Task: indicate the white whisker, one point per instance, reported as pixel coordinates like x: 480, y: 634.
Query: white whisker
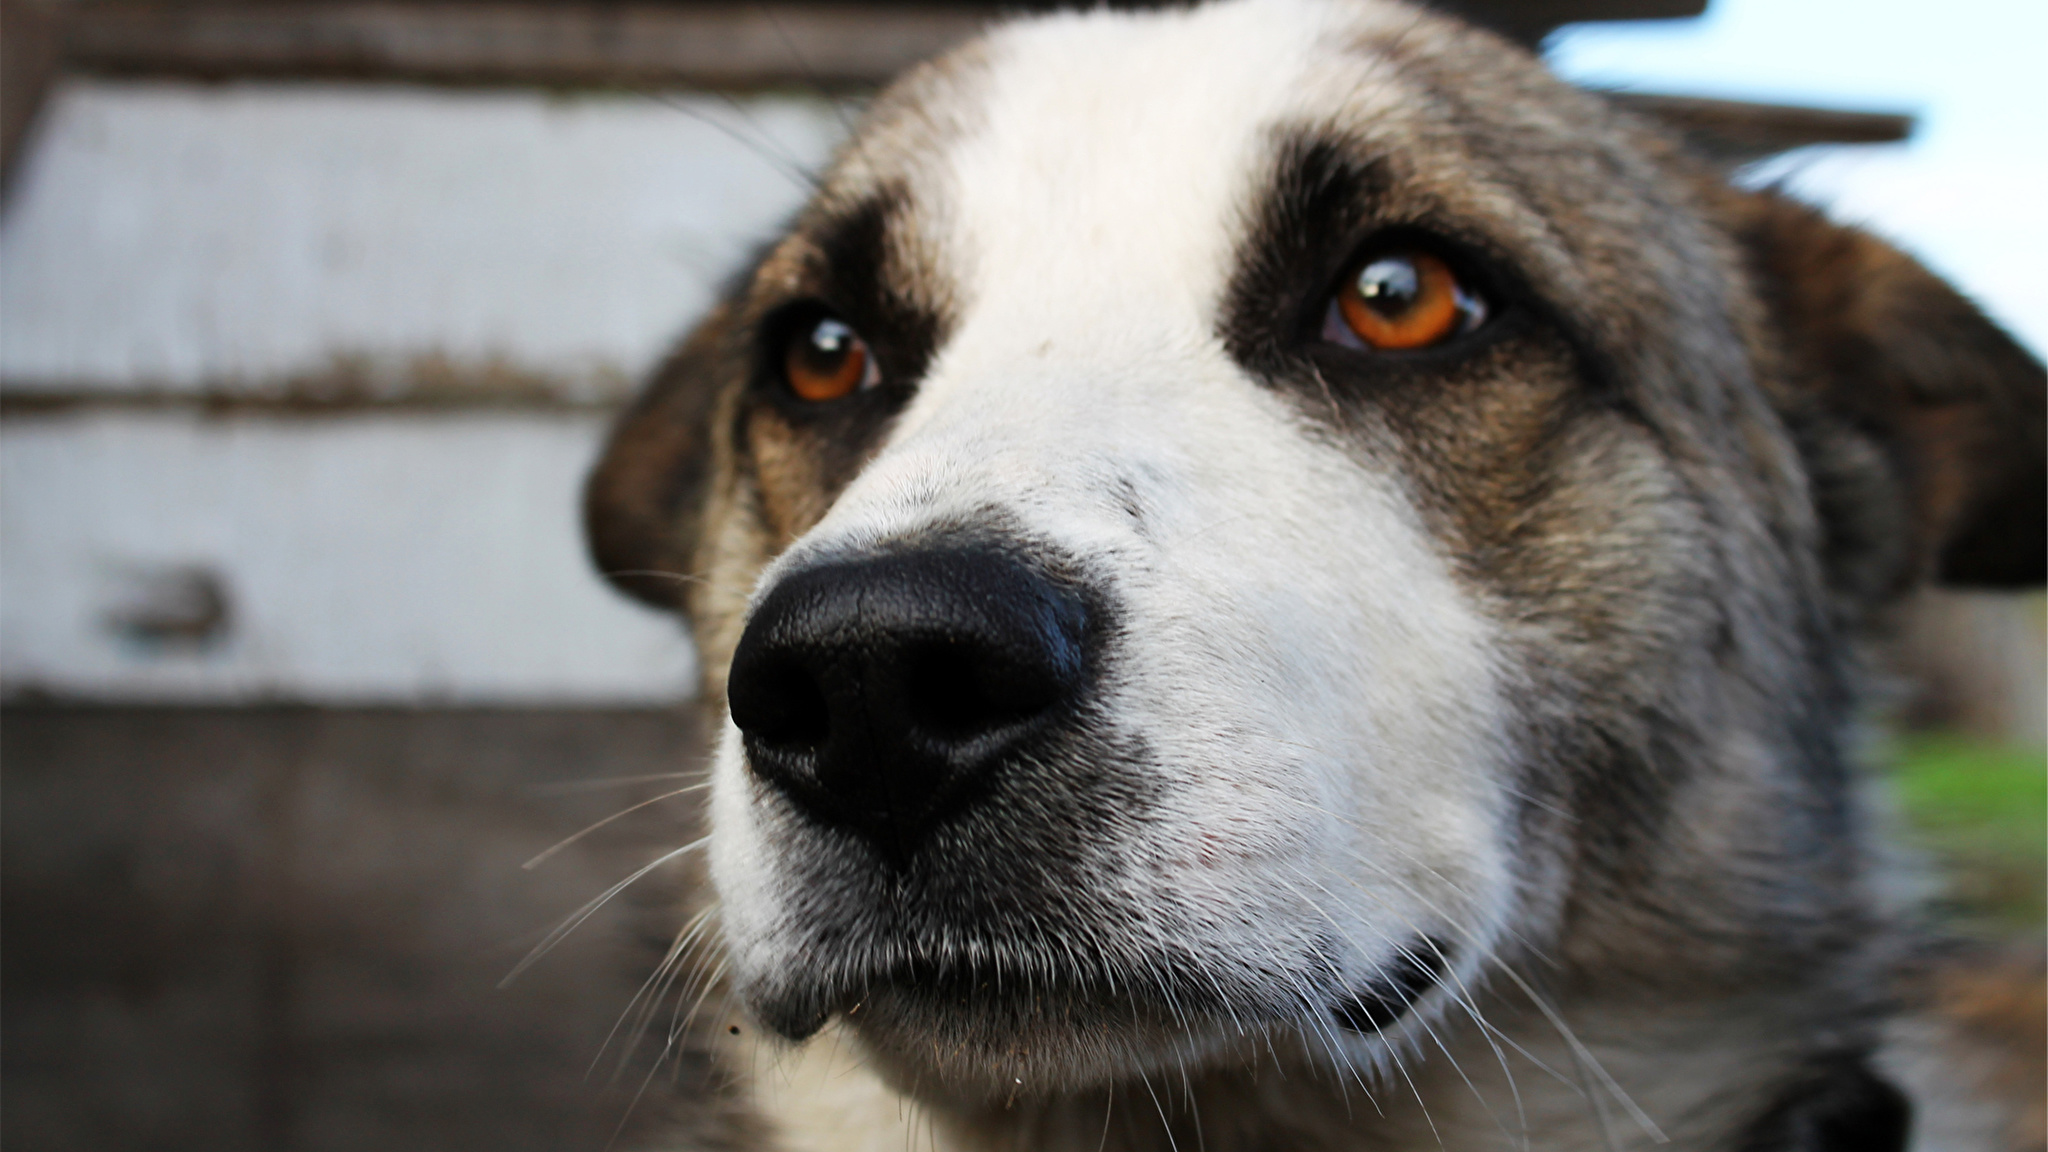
x: 1592, y: 1063
x: 623, y: 812
x: 576, y: 918
x: 571, y: 787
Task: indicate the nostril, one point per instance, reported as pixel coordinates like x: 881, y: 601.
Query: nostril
x: 959, y: 691
x: 779, y: 702
x: 949, y: 696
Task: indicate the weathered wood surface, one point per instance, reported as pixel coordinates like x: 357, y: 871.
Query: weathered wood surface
x: 583, y: 42
x: 283, y: 929
x: 1737, y: 131
x: 28, y: 62
x: 738, y: 45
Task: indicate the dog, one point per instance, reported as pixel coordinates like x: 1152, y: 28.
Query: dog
x: 1275, y: 577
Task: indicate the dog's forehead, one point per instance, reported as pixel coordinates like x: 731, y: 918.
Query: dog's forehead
x: 1119, y: 154
x: 1069, y: 170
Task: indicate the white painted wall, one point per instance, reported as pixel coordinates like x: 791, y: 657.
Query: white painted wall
x: 370, y: 558
x: 238, y: 239
x: 188, y: 237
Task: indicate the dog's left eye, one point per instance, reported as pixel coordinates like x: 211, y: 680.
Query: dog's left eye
x: 825, y: 359
x: 1401, y: 299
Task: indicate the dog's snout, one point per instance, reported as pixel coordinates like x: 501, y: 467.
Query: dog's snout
x: 880, y: 694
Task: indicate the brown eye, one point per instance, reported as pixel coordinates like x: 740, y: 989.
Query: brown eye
x: 1402, y: 300
x: 826, y: 361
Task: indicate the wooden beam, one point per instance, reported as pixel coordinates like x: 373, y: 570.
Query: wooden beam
x: 1735, y: 132
x: 723, y: 45
x: 28, y: 62
x: 1529, y: 21
x: 733, y: 43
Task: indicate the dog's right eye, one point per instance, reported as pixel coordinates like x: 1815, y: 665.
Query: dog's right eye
x: 1402, y: 299
x: 825, y: 359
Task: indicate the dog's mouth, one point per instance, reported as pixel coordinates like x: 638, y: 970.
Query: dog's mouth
x: 948, y: 995
x: 1381, y: 1002
x: 1007, y: 1023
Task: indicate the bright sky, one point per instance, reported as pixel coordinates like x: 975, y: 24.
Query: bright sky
x: 1966, y: 194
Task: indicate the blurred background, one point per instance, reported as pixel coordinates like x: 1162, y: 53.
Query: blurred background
x: 312, y: 313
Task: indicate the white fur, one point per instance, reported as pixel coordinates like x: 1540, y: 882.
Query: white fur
x: 1317, y: 687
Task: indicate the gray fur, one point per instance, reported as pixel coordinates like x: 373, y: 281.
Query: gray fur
x: 1667, y: 502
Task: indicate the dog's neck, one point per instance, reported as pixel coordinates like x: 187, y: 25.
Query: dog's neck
x: 1627, y: 1076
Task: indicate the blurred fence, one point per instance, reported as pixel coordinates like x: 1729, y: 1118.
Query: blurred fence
x: 299, y: 382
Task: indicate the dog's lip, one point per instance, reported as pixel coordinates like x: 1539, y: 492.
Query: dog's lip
x: 794, y: 1019
x: 1381, y: 1002
x: 798, y: 1012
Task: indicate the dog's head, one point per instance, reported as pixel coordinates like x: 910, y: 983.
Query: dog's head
x: 1219, y: 525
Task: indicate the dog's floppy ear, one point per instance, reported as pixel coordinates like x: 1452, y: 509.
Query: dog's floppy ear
x: 1920, y: 418
x: 643, y: 501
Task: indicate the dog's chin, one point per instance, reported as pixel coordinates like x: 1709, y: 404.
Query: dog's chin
x: 978, y: 1039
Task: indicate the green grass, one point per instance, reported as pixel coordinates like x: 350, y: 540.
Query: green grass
x: 1982, y: 812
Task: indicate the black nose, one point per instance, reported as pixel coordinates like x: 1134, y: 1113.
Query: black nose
x: 880, y: 694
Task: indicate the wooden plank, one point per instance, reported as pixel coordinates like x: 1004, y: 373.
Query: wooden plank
x: 1735, y: 131
x: 492, y: 245
x: 1530, y: 20
x: 589, y: 42
x: 1555, y: 12
x: 249, y: 930
x: 727, y: 45
x: 28, y: 62
x: 174, y: 557
x: 835, y: 45
x: 488, y: 392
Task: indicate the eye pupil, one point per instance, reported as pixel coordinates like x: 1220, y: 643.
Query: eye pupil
x: 1402, y: 300
x: 830, y: 339
x: 1390, y: 286
x: 828, y: 347
x: 826, y: 362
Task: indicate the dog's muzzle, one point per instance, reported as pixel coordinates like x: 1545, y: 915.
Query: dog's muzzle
x: 884, y: 694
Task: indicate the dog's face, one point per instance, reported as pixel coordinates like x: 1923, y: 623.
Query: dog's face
x: 1224, y: 525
